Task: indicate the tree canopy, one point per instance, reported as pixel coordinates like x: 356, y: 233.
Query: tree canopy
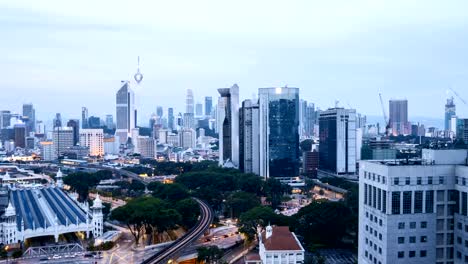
x: 82, y: 182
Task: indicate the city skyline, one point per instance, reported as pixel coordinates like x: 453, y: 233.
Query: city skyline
x: 352, y: 54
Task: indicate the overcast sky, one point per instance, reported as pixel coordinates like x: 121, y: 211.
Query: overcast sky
x: 61, y: 55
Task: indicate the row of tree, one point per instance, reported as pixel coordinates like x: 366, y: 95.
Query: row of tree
x: 154, y: 217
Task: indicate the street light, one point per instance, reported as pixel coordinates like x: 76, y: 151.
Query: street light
x: 6, y: 249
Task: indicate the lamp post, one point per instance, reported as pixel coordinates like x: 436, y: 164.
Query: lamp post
x: 6, y: 249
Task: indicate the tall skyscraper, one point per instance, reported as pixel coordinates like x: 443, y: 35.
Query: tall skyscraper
x: 125, y: 112
x: 462, y: 129
x: 57, y: 120
x: 94, y: 122
x: 94, y: 140
x: 228, y: 120
x: 5, y: 117
x: 84, y: 117
x: 75, y: 125
x: 170, y: 118
x: 159, y: 111
x: 279, y: 132
x: 29, y: 114
x: 337, y: 151
x: 20, y: 135
x: 450, y: 111
x: 399, y: 117
x: 110, y: 121
x: 62, y: 138
x: 414, y: 213
x: 249, y: 139
x: 189, y: 103
x: 208, y: 105
x: 198, y: 109
x: 189, y: 120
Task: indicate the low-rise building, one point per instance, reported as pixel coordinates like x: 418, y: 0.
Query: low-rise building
x: 279, y: 245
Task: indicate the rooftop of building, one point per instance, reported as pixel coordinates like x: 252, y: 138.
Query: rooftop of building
x: 39, y: 207
x: 280, y: 239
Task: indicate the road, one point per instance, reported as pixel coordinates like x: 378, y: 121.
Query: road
x: 202, y: 225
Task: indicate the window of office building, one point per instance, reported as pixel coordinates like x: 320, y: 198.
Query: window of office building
x: 412, y: 239
x: 407, y: 202
x: 365, y: 193
x: 429, y: 180
x: 418, y: 202
x: 412, y: 225
x: 419, y: 180
x: 429, y: 202
x: 374, y: 196
x: 384, y: 201
x: 412, y: 254
x: 401, y: 254
x: 395, y: 202
x: 396, y: 181
x: 379, y: 199
x: 423, y: 239
x: 441, y: 179
x: 401, y: 240
x: 440, y: 196
x: 423, y: 224
x: 464, y: 203
x: 407, y: 180
x: 401, y: 225
x: 423, y: 253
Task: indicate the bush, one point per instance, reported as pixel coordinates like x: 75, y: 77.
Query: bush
x: 17, y: 254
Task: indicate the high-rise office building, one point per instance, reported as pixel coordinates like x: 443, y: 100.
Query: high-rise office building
x: 84, y: 117
x: 279, y: 132
x: 20, y: 135
x: 228, y: 121
x: 94, y: 122
x: 57, y: 120
x: 189, y: 103
x: 414, y: 212
x: 198, y: 109
x: 249, y: 140
x: 189, y: 120
x: 146, y: 146
x: 5, y: 117
x: 450, y: 111
x: 29, y: 114
x: 337, y: 152
x: 462, y: 129
x: 187, y: 138
x: 125, y: 112
x: 159, y: 111
x: 47, y: 151
x: 62, y: 138
x: 208, y: 105
x: 94, y: 140
x: 399, y: 117
x: 110, y: 121
x: 170, y: 118
x: 75, y: 125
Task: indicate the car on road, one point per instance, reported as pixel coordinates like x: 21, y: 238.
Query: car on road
x: 56, y: 256
x: 88, y: 255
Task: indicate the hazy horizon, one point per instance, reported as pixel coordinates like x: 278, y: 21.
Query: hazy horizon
x: 62, y: 56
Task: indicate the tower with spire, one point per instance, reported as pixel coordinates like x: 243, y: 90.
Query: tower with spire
x: 59, y: 179
x: 97, y: 217
x: 9, y: 227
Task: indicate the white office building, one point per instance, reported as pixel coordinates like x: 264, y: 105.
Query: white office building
x: 93, y: 139
x: 414, y: 212
x: 187, y: 138
x: 249, y: 137
x: 62, y: 138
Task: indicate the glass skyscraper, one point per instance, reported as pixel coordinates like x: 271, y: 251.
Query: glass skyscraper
x: 279, y: 132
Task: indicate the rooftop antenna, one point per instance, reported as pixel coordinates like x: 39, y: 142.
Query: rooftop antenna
x: 138, y: 76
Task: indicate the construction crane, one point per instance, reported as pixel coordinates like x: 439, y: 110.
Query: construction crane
x: 387, y: 121
x: 458, y: 96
